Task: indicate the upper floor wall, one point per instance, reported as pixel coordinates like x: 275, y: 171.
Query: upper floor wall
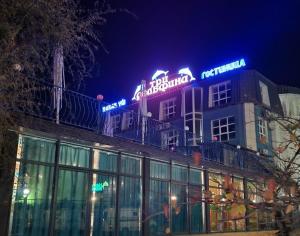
x: 216, y: 93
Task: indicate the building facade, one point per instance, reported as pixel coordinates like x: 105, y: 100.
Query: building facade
x: 76, y: 182
x: 130, y: 171
x: 231, y: 108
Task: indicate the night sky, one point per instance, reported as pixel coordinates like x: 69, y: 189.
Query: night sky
x: 200, y: 34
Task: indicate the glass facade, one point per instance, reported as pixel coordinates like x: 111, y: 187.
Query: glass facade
x: 67, y: 189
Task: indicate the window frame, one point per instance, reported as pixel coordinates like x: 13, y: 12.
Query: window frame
x: 166, y: 138
x: 216, y: 102
x: 220, y: 132
x: 165, y: 107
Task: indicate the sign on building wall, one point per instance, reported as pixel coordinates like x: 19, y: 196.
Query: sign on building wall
x: 161, y: 82
x: 114, y: 105
x: 224, y: 68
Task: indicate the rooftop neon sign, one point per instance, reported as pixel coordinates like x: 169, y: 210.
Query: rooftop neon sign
x: 99, y: 187
x: 222, y: 69
x: 114, y: 105
x: 161, y: 82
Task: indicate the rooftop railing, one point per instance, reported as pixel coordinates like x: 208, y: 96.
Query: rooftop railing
x: 78, y: 110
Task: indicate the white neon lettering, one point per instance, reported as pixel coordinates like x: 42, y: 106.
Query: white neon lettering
x: 162, y: 83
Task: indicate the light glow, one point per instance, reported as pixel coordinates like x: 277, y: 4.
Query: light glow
x: 224, y: 68
x: 162, y: 82
x: 114, y: 105
x: 99, y: 187
x: 158, y: 73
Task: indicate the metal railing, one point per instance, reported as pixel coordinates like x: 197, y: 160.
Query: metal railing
x: 86, y: 112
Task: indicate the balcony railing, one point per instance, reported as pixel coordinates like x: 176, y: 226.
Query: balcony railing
x: 85, y: 112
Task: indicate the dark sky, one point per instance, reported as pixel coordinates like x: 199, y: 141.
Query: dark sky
x: 200, y: 34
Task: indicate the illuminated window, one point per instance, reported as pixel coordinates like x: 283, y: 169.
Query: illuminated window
x: 116, y: 122
x: 167, y: 109
x: 223, y: 129
x: 264, y: 93
x: 170, y: 139
x: 262, y: 129
x: 127, y: 120
x: 220, y: 94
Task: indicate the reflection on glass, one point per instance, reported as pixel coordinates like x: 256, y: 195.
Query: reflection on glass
x: 103, y: 210
x: 74, y: 155
x: 159, y: 170
x: 179, y: 208
x: 196, y: 209
x: 31, y: 205
x: 130, y: 206
x: 130, y: 165
x: 38, y: 149
x: 106, y: 161
x: 70, y: 217
x: 179, y: 173
x: 158, y: 219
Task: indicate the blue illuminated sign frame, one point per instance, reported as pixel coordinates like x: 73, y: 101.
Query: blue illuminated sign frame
x: 224, y: 68
x: 114, y: 105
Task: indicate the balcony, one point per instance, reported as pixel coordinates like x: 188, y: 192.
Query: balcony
x: 81, y: 111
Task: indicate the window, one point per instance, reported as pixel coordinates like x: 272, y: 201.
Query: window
x: 170, y: 139
x: 220, y: 94
x: 193, y: 115
x: 167, y: 109
x: 116, y: 120
x: 196, y: 176
x: 179, y: 208
x: 72, y: 155
x: 264, y: 93
x: 262, y: 130
x: 223, y: 129
x: 159, y: 170
x: 106, y: 161
x: 31, y: 198
x: 127, y: 121
x: 179, y: 173
x: 130, y: 206
x: 130, y: 165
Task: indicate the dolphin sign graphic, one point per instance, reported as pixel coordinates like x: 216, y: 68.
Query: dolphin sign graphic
x: 158, y: 73
x: 137, y: 92
x: 186, y: 71
x: 160, y: 82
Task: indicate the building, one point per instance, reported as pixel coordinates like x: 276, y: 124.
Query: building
x: 115, y: 172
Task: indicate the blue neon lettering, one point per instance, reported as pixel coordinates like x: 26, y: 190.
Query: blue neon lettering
x: 114, y: 105
x: 224, y: 68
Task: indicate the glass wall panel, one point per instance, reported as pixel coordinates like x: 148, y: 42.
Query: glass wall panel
x: 106, y: 161
x: 196, y: 177
x: 31, y: 200
x: 130, y: 206
x: 103, y: 209
x: 158, y: 207
x: 196, y: 209
x: 72, y: 196
x: 159, y: 170
x: 253, y: 213
x: 74, y: 155
x: 179, y: 208
x: 179, y: 173
x: 36, y: 149
x: 130, y: 165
